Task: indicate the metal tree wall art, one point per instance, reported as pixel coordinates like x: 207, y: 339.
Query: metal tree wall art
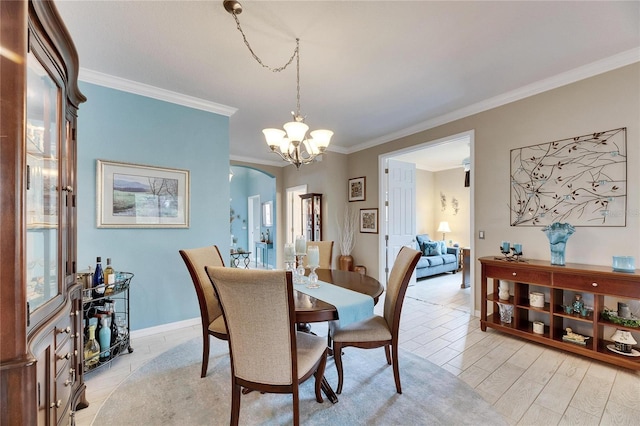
x: 581, y: 180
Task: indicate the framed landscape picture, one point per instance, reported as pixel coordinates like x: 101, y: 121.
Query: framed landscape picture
x: 357, y: 189
x: 139, y: 196
x: 369, y: 221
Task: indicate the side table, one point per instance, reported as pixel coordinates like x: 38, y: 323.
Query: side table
x: 237, y: 255
x: 466, y: 267
x: 264, y: 247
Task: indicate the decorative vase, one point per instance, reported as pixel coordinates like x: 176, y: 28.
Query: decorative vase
x: 558, y: 234
x: 345, y: 263
x: 503, y: 290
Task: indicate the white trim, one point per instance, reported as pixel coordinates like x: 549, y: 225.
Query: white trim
x: 382, y: 188
x: 150, y: 331
x: 598, y: 67
x: 130, y: 86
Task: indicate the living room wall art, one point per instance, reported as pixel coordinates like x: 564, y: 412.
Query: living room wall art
x: 357, y: 189
x: 580, y: 180
x: 138, y: 196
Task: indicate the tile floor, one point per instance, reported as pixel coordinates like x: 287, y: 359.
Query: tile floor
x: 529, y: 384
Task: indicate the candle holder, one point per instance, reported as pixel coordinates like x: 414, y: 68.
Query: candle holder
x: 511, y: 254
x: 299, y: 275
x: 290, y: 265
x: 313, y: 277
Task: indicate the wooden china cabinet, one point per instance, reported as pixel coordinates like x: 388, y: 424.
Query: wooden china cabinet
x: 41, y: 373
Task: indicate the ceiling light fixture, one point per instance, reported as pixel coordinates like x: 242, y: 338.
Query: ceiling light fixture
x: 292, y: 144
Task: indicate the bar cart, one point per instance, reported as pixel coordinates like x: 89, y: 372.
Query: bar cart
x: 109, y: 301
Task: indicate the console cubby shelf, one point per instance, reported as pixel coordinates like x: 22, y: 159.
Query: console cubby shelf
x: 559, y: 284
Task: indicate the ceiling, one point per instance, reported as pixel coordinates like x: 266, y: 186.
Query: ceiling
x: 371, y: 71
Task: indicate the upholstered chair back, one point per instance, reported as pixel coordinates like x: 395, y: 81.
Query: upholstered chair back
x: 196, y: 259
x: 259, y: 312
x: 397, y: 286
x: 326, y: 253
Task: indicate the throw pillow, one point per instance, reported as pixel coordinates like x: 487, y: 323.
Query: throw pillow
x: 443, y: 247
x: 432, y: 248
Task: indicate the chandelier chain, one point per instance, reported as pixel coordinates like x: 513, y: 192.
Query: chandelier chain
x: 246, y: 42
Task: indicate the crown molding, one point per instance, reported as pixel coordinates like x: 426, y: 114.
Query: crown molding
x: 598, y: 67
x: 137, y: 88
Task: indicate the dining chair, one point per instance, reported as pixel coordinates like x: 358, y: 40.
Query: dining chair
x: 267, y: 353
x: 326, y: 253
x: 378, y: 331
x: 210, y: 313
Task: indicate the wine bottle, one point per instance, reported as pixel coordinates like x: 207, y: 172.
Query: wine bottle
x: 104, y: 337
x: 91, y: 348
x: 109, y: 273
x: 98, y: 279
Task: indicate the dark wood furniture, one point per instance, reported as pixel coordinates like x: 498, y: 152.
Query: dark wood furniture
x: 465, y: 255
x: 380, y: 331
x: 41, y: 372
x: 312, y: 216
x: 309, y: 309
x: 598, y: 285
x: 211, y: 318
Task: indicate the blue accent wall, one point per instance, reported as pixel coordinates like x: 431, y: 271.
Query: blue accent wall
x: 120, y: 126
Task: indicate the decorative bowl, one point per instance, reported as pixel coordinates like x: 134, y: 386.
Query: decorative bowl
x: 624, y: 264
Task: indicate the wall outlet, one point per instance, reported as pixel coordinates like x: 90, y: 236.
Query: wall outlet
x: 481, y: 235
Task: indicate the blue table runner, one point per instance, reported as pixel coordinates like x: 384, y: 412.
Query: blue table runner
x: 351, y: 305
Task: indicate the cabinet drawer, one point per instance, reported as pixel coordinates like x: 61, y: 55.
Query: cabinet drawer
x: 63, y: 355
x: 598, y: 285
x: 518, y: 275
x: 63, y: 331
x: 64, y: 384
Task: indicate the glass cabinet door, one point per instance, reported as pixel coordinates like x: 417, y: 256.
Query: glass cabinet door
x: 42, y: 195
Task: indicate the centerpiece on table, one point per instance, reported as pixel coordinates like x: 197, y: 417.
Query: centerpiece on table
x: 347, y: 238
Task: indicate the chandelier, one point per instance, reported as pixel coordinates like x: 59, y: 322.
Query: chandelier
x: 293, y: 144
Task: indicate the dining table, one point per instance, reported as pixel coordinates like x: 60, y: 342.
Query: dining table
x: 310, y: 309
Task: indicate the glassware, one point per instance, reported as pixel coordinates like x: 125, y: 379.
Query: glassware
x: 313, y: 254
x: 558, y: 234
x: 506, y: 312
x: 91, y: 348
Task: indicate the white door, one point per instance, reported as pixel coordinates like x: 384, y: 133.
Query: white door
x: 253, y: 209
x: 401, y: 210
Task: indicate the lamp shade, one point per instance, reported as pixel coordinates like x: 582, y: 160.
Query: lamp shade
x: 444, y: 227
x: 296, y: 130
x: 625, y: 337
x: 273, y: 136
x: 321, y: 138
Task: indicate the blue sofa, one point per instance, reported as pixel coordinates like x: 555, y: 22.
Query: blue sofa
x: 436, y: 257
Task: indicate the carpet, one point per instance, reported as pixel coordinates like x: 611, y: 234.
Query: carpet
x: 168, y: 390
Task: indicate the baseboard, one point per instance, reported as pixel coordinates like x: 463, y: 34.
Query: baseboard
x: 150, y: 331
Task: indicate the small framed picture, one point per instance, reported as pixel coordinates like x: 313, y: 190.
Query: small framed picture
x: 357, y: 189
x: 369, y: 221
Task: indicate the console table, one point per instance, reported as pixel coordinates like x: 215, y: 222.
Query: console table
x: 264, y: 252
x: 599, y: 286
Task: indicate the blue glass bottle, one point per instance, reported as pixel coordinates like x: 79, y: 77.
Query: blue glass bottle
x: 98, y: 279
x: 104, y: 337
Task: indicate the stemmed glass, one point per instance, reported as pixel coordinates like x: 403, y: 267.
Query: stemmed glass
x: 301, y: 252
x: 313, y: 254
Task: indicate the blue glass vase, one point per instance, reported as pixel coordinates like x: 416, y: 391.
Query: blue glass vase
x: 558, y: 234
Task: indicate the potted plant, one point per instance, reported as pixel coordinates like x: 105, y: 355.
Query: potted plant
x: 347, y: 238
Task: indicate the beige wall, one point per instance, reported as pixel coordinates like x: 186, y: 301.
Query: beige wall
x: 451, y: 184
x: 425, y: 203
x: 603, y: 102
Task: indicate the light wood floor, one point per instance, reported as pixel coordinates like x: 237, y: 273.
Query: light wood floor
x: 529, y: 384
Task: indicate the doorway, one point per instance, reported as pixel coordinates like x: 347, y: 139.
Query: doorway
x: 293, y: 209
x: 455, y: 153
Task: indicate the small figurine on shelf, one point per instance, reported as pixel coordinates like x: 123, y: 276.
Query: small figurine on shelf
x: 572, y: 337
x: 578, y: 304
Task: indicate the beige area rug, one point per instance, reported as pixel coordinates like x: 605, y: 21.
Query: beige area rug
x: 169, y: 391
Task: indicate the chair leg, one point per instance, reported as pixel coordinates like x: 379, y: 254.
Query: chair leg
x: 387, y: 353
x: 296, y: 405
x: 337, y: 357
x: 319, y: 375
x: 396, y: 368
x: 235, y: 404
x: 205, y: 353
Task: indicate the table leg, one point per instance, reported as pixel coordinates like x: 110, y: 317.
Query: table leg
x: 328, y: 391
x: 247, y: 261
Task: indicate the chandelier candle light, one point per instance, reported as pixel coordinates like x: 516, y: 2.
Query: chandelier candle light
x: 292, y: 143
